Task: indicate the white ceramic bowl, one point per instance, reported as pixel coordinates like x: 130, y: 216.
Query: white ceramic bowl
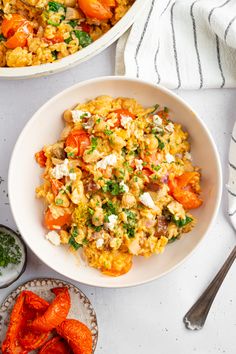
x: 45, y: 127
x: 86, y: 53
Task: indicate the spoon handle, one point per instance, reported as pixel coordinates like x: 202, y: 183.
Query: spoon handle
x: 196, y: 316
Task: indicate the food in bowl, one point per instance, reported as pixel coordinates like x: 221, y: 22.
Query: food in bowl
x: 34, y: 32
x: 118, y: 183
x: 36, y: 324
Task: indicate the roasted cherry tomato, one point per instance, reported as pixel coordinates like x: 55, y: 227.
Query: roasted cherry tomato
x: 78, y: 336
x: 55, y: 314
x: 79, y: 140
x: 56, y: 345
x: 85, y: 27
x: 32, y: 340
x: 97, y: 9
x: 41, y: 158
x: 17, y: 30
x: 58, y: 38
x: 181, y: 188
x: 56, y: 224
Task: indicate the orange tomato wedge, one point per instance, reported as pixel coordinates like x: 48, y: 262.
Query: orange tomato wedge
x: 17, y: 30
x: 182, y: 191
x: 97, y: 9
x: 56, y: 224
x: 78, y: 140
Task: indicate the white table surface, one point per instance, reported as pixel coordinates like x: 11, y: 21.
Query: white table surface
x: 145, y: 319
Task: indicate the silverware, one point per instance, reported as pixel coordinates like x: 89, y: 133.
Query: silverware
x: 196, y: 316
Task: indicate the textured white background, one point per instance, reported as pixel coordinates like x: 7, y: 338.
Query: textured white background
x: 145, y: 319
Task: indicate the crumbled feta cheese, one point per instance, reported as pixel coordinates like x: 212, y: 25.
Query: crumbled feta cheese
x: 77, y: 115
x: 99, y: 243
x: 53, y: 237
x: 109, y: 160
x: 139, y: 164
x: 72, y: 176
x: 157, y: 120
x: 170, y: 127
x: 61, y: 170
x: 170, y: 158
x: 124, y: 186
x: 146, y: 200
x: 188, y: 156
x: 125, y: 120
x: 89, y: 124
x: 112, y: 219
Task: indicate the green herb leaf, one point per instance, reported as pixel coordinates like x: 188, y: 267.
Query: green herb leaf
x: 59, y: 201
x: 173, y: 239
x: 156, y: 168
x: 94, y: 143
x: 73, y: 23
x: 108, y: 132
x: 74, y: 244
x: 70, y: 154
x: 2, y: 38
x: 55, y: 6
x: 130, y: 230
x: 155, y: 108
x: 161, y: 145
x: 182, y: 222
x: 83, y: 37
x: 91, y: 211
x: 166, y: 109
x: 54, y: 54
x: 10, y: 252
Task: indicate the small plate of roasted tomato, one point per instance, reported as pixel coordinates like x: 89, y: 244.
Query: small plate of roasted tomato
x: 47, y: 316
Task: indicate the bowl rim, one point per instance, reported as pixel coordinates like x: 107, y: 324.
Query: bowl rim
x: 174, y: 96
x: 74, y: 59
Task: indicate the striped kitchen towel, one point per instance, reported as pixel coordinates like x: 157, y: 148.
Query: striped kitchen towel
x: 231, y: 186
x: 182, y: 44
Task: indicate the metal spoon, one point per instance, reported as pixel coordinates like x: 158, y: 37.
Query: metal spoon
x: 196, y: 316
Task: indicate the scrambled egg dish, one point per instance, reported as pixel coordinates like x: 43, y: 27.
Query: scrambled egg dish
x: 34, y: 32
x: 118, y: 183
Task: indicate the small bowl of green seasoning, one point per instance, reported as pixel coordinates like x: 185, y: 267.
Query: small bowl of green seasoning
x: 13, y: 256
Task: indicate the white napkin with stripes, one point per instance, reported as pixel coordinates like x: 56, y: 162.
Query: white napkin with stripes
x: 232, y: 178
x: 182, y: 44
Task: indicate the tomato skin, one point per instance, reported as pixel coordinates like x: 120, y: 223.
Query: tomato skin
x: 95, y: 9
x: 181, y: 190
x: 56, y: 185
x: 17, y: 30
x: 120, y: 113
x: 31, y: 340
x: 55, y: 224
x: 56, y: 345
x: 85, y: 27
x: 79, y: 140
x: 56, y: 39
x: 41, y: 158
x: 78, y: 335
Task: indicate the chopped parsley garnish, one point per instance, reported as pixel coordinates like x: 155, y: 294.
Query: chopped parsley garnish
x: 54, y: 54
x: 166, y: 110
x: 113, y: 187
x: 94, y: 144
x: 156, y: 168
x: 182, y: 222
x: 129, y: 168
x: 55, y: 6
x: 70, y: 154
x: 173, y: 239
x: 74, y: 244
x: 83, y: 37
x: 10, y: 252
x: 72, y: 241
x: 91, y: 211
x: 72, y: 23
x: 2, y: 38
x: 108, y: 132
x: 161, y: 145
x: 131, y: 223
x: 67, y: 40
x: 59, y: 201
x: 155, y: 108
x: 110, y: 208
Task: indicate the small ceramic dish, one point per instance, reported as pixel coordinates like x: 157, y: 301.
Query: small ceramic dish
x: 45, y: 128
x: 81, y: 308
